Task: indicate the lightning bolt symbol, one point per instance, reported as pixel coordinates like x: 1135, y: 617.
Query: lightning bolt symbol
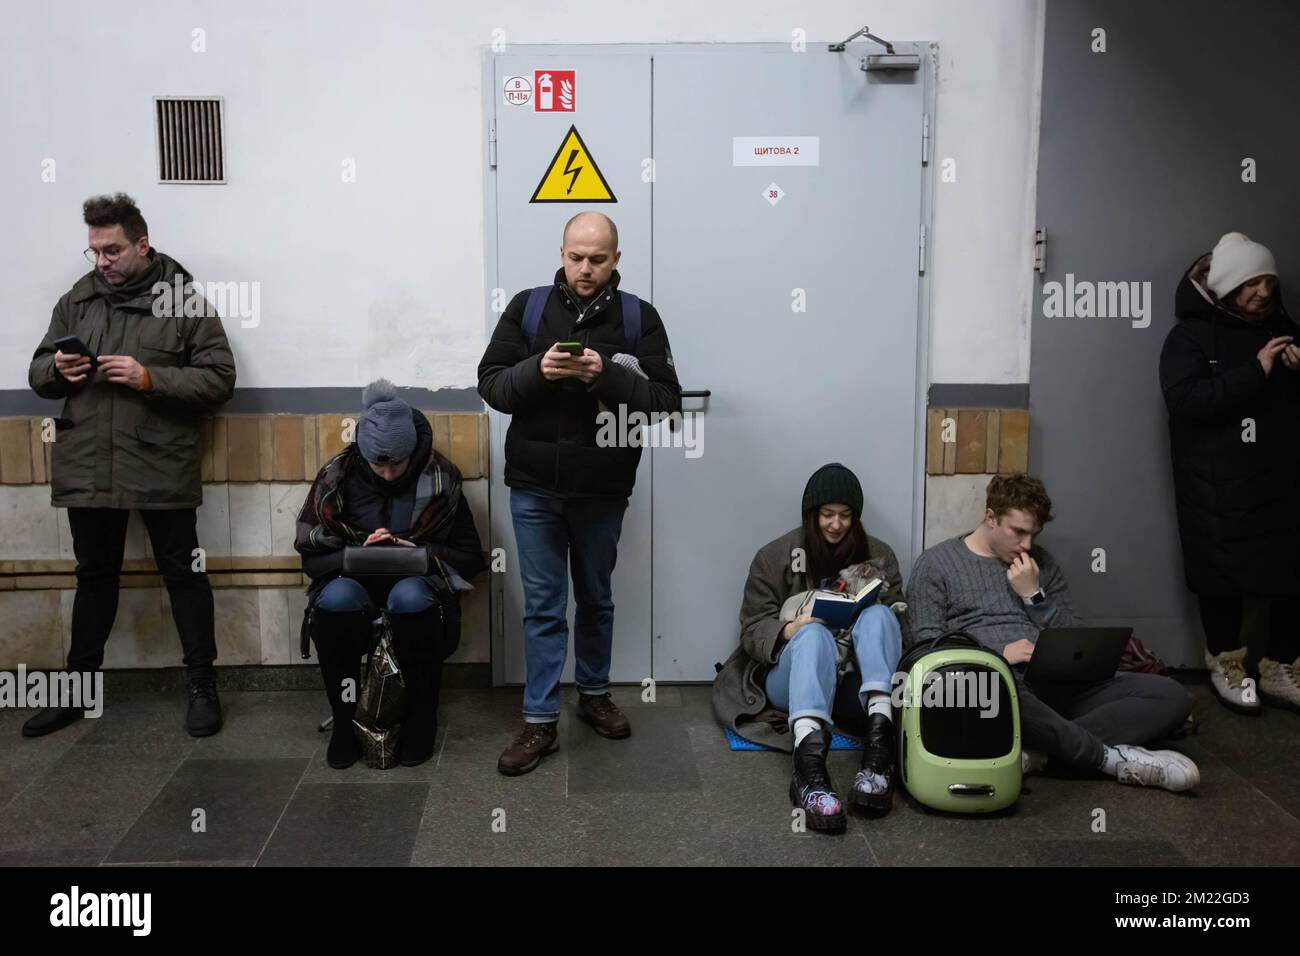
x: 573, y: 154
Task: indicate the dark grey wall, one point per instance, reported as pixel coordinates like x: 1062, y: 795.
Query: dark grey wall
x: 1139, y: 172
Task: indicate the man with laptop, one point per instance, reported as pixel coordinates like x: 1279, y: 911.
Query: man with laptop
x: 994, y: 584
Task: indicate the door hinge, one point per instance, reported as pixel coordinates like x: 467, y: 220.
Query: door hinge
x: 920, y: 259
x: 925, y: 139
x: 1040, y: 250
x: 492, y: 143
x: 501, y: 609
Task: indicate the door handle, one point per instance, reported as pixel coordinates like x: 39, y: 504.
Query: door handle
x: 690, y: 393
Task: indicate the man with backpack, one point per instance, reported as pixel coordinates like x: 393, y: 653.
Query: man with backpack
x: 562, y: 356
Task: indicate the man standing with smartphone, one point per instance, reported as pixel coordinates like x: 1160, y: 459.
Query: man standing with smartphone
x: 129, y: 439
x: 568, y: 491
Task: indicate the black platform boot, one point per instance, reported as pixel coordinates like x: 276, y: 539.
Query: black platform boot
x: 873, y: 788
x: 418, y: 640
x: 339, y: 637
x: 810, y: 786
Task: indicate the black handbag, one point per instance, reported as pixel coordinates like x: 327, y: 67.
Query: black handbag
x: 382, y: 701
x: 392, y: 560
x: 381, y: 704
x: 378, y: 745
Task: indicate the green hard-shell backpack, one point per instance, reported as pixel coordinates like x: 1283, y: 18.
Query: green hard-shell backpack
x: 950, y: 757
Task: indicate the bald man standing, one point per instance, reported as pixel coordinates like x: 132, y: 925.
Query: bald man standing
x: 561, y: 354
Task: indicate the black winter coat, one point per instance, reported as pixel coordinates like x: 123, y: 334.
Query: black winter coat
x: 347, y: 501
x: 551, y: 444
x: 1238, y: 501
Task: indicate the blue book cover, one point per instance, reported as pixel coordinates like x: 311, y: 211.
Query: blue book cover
x: 839, y: 610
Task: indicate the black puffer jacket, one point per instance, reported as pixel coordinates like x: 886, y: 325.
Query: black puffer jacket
x: 551, y: 444
x: 1238, y: 501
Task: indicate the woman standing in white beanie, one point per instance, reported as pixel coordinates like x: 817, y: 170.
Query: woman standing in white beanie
x: 1230, y: 372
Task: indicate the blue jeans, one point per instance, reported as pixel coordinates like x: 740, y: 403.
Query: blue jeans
x: 555, y: 536
x: 804, y: 678
x: 407, y: 596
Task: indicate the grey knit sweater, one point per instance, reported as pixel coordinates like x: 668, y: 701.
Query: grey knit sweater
x: 952, y: 587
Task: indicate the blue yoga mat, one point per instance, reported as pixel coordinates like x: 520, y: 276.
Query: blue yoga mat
x: 838, y: 742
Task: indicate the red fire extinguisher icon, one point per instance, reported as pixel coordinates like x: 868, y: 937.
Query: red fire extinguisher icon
x: 555, y: 91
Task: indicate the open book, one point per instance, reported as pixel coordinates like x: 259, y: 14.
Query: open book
x: 840, y: 610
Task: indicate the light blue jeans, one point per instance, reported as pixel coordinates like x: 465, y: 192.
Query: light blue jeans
x: 806, y: 673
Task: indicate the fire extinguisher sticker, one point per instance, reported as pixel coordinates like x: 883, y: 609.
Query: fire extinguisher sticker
x: 555, y: 91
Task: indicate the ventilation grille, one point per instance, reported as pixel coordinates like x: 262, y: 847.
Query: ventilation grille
x: 191, y: 140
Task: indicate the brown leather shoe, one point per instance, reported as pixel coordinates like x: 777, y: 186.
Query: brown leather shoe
x: 526, y: 751
x: 606, y: 719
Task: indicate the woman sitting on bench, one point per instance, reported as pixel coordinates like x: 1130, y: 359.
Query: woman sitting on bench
x: 390, y: 489
x: 792, y: 673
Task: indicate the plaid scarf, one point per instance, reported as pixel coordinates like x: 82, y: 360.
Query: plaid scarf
x: 321, y: 525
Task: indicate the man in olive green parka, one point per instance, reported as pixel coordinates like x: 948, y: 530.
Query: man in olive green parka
x: 128, y: 439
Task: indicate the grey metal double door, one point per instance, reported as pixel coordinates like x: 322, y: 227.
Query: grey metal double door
x: 770, y: 204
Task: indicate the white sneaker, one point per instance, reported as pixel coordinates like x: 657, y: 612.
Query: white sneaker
x: 1156, y: 768
x: 1279, y: 684
x: 1032, y: 761
x: 1228, y: 675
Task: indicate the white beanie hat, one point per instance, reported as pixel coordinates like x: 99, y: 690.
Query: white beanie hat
x: 1236, y: 260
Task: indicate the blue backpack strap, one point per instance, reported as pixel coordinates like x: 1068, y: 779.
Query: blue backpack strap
x: 533, y: 312
x: 631, y: 320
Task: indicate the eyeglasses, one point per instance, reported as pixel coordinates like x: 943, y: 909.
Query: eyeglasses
x: 93, y: 258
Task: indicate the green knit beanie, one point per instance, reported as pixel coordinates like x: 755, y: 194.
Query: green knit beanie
x: 833, y: 484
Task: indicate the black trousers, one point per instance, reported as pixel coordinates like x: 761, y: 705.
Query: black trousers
x: 1265, y: 626
x: 99, y: 541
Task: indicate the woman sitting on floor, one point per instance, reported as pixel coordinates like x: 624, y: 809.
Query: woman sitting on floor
x: 791, y: 673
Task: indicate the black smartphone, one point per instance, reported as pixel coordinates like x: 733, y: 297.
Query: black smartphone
x: 71, y: 345
x: 573, y: 348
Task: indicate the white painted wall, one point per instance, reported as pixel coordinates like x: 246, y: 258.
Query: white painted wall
x: 386, y: 275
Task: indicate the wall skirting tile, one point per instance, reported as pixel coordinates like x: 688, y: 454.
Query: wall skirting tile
x: 256, y: 447
x: 972, y: 441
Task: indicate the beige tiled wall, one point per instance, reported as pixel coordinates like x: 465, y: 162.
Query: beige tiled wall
x: 258, y: 612
x: 981, y: 441
x: 257, y: 448
x: 246, y: 525
x: 251, y: 515
x: 33, y: 628
x: 953, y: 504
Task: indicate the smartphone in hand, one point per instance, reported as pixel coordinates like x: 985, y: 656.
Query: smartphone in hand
x: 71, y: 345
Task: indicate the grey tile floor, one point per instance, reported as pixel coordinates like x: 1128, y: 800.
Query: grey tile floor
x: 133, y: 788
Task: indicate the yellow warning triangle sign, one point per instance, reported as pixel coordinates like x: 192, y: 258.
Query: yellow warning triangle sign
x: 573, y: 175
